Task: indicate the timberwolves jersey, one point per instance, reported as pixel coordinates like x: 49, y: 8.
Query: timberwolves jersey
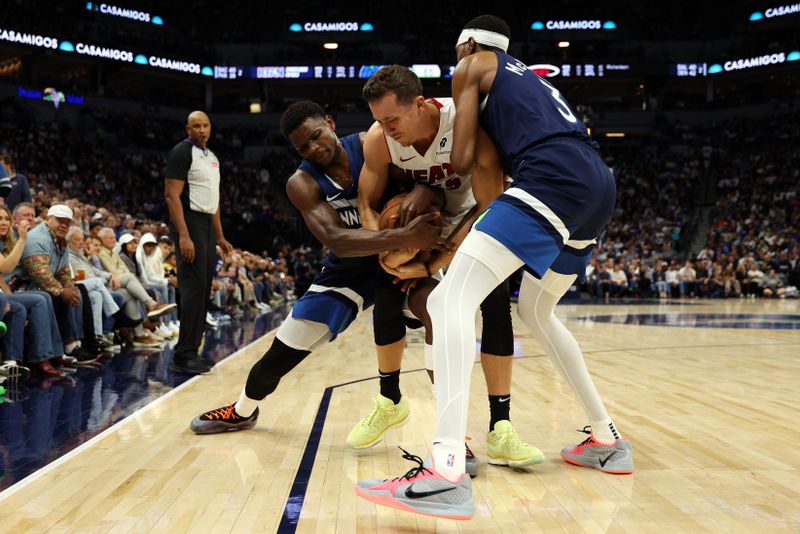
x: 345, y: 285
x: 344, y: 201
x: 433, y: 168
x: 523, y: 110
x: 563, y: 194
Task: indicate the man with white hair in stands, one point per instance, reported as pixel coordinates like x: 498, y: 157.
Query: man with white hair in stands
x: 126, y: 290
x: 103, y: 303
x: 111, y: 262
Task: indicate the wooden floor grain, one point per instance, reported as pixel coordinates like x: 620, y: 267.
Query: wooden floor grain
x: 711, y: 413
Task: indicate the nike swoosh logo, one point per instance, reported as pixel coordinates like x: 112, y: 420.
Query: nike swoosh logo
x: 407, y: 159
x: 334, y: 197
x: 504, y: 399
x: 411, y: 494
x: 604, y: 461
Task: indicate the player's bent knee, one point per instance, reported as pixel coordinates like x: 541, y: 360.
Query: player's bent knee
x: 418, y: 300
x: 435, y: 302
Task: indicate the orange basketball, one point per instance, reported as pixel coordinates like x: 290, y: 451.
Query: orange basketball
x: 389, y: 210
x: 387, y: 222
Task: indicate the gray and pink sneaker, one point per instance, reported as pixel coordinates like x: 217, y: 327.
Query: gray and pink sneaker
x: 616, y: 458
x: 422, y: 491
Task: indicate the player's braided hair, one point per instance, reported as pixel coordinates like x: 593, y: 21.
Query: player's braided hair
x: 297, y: 113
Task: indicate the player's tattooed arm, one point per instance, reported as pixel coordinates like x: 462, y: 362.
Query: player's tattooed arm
x: 327, y: 226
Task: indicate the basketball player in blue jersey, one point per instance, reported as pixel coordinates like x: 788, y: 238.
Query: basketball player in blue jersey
x: 561, y: 198
x: 325, y: 191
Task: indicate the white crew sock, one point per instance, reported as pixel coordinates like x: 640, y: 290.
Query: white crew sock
x: 449, y: 459
x: 245, y: 406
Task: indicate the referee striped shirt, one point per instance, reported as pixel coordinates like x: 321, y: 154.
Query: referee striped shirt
x: 199, y: 168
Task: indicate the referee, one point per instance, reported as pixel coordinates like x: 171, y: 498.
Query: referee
x: 191, y: 188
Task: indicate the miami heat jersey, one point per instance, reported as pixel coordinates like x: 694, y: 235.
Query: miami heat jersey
x: 433, y: 167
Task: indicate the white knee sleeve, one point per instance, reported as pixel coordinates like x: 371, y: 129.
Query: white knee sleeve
x: 452, y: 307
x: 301, y: 334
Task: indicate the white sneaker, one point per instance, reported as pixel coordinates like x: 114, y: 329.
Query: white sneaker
x: 157, y: 334
x: 164, y: 331
x: 210, y: 321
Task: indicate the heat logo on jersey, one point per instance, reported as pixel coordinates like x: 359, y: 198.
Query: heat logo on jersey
x: 435, y: 174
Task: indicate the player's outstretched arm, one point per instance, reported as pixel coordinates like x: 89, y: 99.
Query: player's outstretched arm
x: 326, y: 225
x: 373, y: 178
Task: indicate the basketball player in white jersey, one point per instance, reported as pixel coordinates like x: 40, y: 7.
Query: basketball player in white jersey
x: 562, y: 197
x: 415, y: 134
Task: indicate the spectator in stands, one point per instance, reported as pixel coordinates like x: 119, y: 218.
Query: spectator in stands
x: 45, y: 266
x: 660, y: 280
x: 128, y: 244
x: 755, y: 278
x: 773, y: 285
x: 20, y: 187
x: 673, y: 278
x: 44, y: 340
x: 103, y: 304
x: 151, y: 269
x: 603, y: 282
x: 732, y: 287
x: 13, y: 314
x: 112, y: 262
x: 24, y: 211
x: 619, y: 281
x: 687, y: 276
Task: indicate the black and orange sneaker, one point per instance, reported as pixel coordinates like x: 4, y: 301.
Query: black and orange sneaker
x: 223, y: 419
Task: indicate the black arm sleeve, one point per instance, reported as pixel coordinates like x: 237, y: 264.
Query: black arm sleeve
x: 179, y: 160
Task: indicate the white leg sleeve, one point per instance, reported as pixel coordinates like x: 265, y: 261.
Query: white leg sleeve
x: 452, y: 306
x: 537, y: 302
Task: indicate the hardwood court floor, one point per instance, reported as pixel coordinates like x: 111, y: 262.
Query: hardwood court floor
x: 711, y: 413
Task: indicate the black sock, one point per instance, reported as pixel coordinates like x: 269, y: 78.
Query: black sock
x: 499, y: 408
x: 390, y: 385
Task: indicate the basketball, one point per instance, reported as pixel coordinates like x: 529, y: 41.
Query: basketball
x: 387, y: 220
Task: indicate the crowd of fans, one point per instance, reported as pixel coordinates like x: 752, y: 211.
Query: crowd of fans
x: 753, y: 243
x: 114, y: 280
x: 98, y: 162
x: 88, y: 262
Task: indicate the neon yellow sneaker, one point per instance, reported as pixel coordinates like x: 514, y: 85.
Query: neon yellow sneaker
x: 503, y: 447
x: 385, y: 415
